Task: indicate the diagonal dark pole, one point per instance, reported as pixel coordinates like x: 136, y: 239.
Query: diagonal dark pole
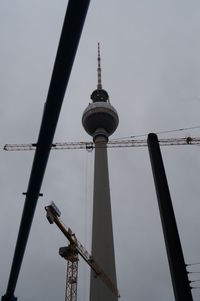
x: 182, y: 291
x: 69, y: 40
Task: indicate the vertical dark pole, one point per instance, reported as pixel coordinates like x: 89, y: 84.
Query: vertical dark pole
x: 68, y: 44
x: 182, y: 291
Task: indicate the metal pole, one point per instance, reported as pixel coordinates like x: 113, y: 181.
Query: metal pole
x: 69, y: 40
x: 182, y: 290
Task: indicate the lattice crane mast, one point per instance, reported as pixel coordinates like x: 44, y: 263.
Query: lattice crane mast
x: 71, y: 253
x: 111, y: 144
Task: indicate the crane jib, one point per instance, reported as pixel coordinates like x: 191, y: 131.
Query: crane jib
x: 118, y: 143
x: 52, y: 216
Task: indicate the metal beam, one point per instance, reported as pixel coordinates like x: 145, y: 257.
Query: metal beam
x: 182, y: 290
x: 69, y: 40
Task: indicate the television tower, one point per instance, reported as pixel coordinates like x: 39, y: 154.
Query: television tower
x: 100, y: 120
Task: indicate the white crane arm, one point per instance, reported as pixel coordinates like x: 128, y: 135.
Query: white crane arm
x: 111, y: 144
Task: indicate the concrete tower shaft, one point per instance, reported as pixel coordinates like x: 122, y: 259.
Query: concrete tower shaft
x: 100, y: 120
x: 102, y: 229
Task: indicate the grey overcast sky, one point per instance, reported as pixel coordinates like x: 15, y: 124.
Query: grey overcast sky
x: 151, y: 70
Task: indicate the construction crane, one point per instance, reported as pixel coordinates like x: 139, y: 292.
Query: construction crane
x: 71, y: 252
x: 89, y: 145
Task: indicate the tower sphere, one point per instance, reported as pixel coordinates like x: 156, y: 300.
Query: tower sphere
x: 100, y: 118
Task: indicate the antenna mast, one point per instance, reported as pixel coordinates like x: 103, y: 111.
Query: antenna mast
x: 99, y: 84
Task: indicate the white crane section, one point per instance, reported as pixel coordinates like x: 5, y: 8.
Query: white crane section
x: 89, y: 145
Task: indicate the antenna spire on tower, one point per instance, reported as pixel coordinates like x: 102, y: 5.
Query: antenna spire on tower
x: 99, y: 94
x: 99, y: 84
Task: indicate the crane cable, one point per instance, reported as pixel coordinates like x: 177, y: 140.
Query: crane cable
x: 195, y: 263
x: 87, y: 211
x: 159, y: 132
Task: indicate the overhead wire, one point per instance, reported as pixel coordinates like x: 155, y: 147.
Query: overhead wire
x: 189, y: 272
x: 193, y: 281
x: 159, y: 132
x: 113, y: 143
x: 87, y: 208
x: 85, y: 204
x: 194, y: 287
x: 194, y: 263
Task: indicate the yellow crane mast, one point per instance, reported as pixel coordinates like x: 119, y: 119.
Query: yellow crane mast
x: 71, y: 253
